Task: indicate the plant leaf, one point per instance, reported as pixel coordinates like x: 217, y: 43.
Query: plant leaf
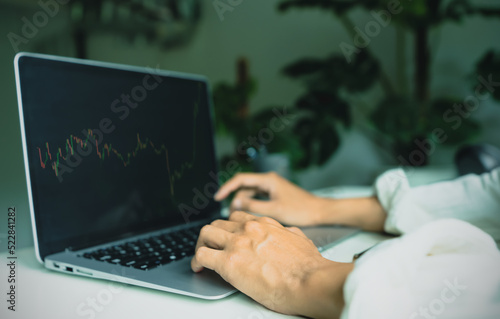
x: 329, y: 142
x: 489, y: 66
x: 318, y: 138
x: 303, y: 67
x: 326, y: 105
x: 457, y: 9
x: 338, y: 6
x: 363, y: 72
x: 397, y: 118
x: 303, y: 131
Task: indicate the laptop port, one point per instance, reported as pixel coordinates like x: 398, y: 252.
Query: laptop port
x: 70, y: 269
x: 56, y: 265
x: 84, y: 272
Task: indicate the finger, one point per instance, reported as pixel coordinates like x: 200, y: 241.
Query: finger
x: 227, y: 225
x: 257, y: 206
x: 206, y: 258
x: 269, y: 220
x: 240, y: 196
x: 250, y: 180
x: 297, y: 231
x: 212, y: 237
x: 239, y: 217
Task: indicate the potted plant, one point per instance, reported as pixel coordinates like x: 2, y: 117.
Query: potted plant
x: 401, y: 119
x: 258, y: 144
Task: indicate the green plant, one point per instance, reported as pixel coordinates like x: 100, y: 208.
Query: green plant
x: 168, y: 23
x: 233, y: 119
x: 401, y: 117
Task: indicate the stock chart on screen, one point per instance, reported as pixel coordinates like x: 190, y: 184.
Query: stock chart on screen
x: 114, y: 150
x: 106, y: 152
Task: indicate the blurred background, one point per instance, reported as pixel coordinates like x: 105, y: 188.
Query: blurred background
x: 359, y: 86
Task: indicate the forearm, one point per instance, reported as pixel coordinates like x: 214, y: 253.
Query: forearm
x: 321, y: 294
x: 365, y: 212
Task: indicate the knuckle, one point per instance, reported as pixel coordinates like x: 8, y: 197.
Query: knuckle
x: 295, y: 229
x: 267, y: 220
x: 241, y: 242
x: 205, y: 230
x: 235, y: 214
x: 252, y: 226
x: 216, y: 223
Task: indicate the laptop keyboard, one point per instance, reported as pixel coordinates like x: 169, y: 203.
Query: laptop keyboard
x: 151, y: 252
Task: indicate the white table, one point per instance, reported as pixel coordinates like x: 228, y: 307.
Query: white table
x: 41, y: 293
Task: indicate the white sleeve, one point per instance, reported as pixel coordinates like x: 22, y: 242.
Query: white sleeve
x: 444, y: 269
x: 471, y: 198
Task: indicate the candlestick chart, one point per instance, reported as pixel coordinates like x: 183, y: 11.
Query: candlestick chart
x: 54, y: 157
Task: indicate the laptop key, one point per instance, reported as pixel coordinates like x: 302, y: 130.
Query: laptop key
x: 142, y: 266
x: 148, y: 253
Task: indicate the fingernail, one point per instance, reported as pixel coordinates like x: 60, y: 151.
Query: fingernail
x: 237, y: 204
x: 216, y: 195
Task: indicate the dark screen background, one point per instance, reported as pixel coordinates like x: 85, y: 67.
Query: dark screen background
x: 158, y: 153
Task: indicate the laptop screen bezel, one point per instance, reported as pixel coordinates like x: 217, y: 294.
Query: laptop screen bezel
x: 42, y: 250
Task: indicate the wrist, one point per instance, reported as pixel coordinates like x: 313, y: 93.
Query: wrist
x: 327, y: 211
x: 365, y: 212
x: 320, y: 292
x: 322, y: 211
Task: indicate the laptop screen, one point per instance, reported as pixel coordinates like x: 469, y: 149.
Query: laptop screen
x: 113, y: 151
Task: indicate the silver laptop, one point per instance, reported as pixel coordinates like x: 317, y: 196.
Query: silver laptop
x: 121, y: 171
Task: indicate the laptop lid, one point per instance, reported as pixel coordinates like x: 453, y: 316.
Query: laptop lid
x: 112, y: 151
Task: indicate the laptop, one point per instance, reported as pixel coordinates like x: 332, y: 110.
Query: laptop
x: 121, y: 171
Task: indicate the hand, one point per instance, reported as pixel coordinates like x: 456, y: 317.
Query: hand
x: 275, y: 265
x: 292, y: 205
x: 287, y: 203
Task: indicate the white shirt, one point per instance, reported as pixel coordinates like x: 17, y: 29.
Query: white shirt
x: 446, y: 264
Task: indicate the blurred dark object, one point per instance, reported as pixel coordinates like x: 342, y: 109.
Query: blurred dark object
x: 489, y: 68
x: 232, y: 102
x: 407, y: 111
x: 263, y: 141
x: 477, y: 159
x: 168, y: 23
